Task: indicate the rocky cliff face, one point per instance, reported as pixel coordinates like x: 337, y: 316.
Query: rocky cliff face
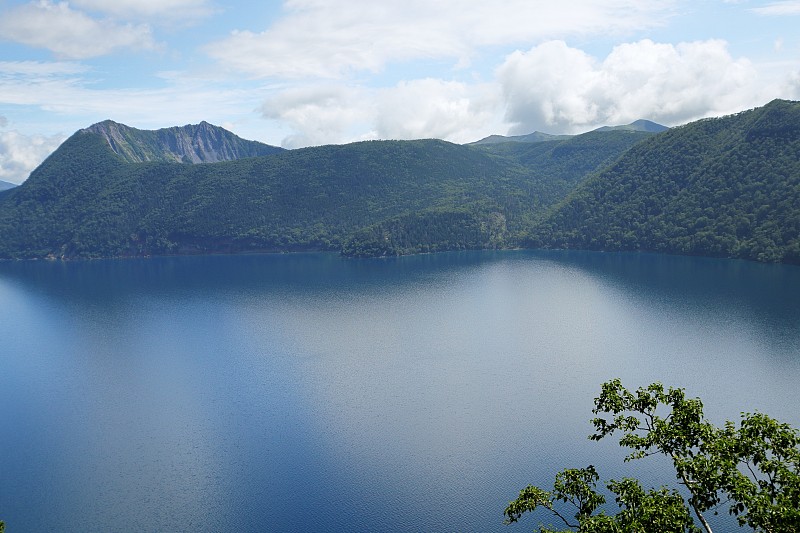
x: 193, y: 143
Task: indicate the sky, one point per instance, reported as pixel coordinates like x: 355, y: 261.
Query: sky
x: 310, y: 72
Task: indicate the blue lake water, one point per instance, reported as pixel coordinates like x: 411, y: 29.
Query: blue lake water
x: 312, y: 393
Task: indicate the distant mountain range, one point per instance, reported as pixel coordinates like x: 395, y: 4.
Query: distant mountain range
x: 637, y: 125
x: 725, y: 187
x: 537, y: 136
x: 4, y: 185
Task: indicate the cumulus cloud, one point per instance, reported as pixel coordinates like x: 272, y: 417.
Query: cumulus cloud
x: 69, y: 33
x: 320, y: 114
x: 436, y: 108
x: 793, y: 86
x: 557, y: 88
x: 20, y: 154
x: 552, y: 87
x: 333, y: 38
x: 413, y: 109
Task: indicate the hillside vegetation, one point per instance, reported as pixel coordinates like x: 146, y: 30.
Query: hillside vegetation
x: 370, y: 198
x: 725, y: 187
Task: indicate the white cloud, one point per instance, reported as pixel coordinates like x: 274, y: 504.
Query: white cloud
x: 333, y: 114
x: 434, y: 108
x: 320, y: 114
x: 556, y: 88
x: 792, y: 89
x: 3, y: 121
x: 20, y: 154
x: 334, y: 38
x: 787, y: 7
x: 172, y: 9
x: 69, y: 33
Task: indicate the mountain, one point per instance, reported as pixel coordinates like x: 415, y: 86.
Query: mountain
x: 637, y: 125
x: 725, y: 187
x: 201, y: 143
x: 94, y: 198
x: 4, y: 185
x: 543, y: 174
x: 535, y: 137
x: 538, y: 137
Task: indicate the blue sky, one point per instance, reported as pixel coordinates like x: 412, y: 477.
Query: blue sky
x: 309, y: 72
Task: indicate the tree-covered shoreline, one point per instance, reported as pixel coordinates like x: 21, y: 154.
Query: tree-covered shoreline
x: 723, y: 187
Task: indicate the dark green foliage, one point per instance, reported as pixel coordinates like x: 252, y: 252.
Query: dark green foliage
x: 562, y: 165
x: 433, y: 230
x: 752, y: 469
x: 365, y: 199
x: 640, y: 511
x: 725, y: 187
x: 722, y: 187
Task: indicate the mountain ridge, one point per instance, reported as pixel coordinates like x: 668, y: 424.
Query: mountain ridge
x: 535, y: 137
x: 640, y: 125
x: 192, y: 143
x: 366, y: 198
x: 727, y: 187
x: 636, y: 125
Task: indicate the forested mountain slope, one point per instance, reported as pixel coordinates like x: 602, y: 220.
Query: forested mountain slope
x: 726, y: 186
x: 547, y: 171
x: 369, y: 198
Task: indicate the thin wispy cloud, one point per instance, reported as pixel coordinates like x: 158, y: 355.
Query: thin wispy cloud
x: 787, y: 7
x: 41, y: 68
x: 172, y: 9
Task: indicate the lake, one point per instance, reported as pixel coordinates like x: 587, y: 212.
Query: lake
x: 306, y: 392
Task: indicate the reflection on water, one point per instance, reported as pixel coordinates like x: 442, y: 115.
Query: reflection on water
x: 308, y: 392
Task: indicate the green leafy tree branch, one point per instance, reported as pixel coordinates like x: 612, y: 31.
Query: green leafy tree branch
x: 753, y: 468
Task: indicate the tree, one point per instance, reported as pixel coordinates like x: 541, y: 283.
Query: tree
x: 753, y: 468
